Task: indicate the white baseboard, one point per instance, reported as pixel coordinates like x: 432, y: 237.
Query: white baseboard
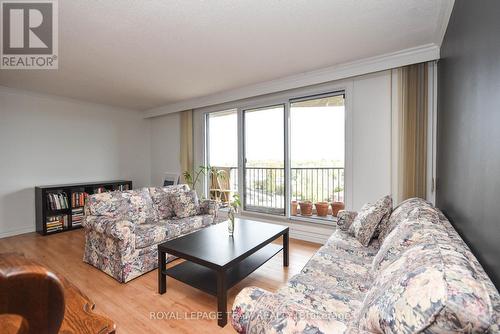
x: 307, y: 236
x: 298, y: 230
x: 12, y: 233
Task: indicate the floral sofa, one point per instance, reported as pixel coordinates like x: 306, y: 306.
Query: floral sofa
x: 123, y: 228
x: 418, y: 276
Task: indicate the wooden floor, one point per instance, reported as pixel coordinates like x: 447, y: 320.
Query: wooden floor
x: 130, y: 305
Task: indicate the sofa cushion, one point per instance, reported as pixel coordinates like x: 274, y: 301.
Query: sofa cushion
x: 367, y: 220
x: 184, y: 204
x: 151, y: 234
x: 399, y: 214
x: 407, y: 234
x: 324, y: 295
x: 155, y: 233
x: 161, y: 199
x: 336, y: 279
x: 432, y: 286
x: 133, y: 205
x: 407, y: 295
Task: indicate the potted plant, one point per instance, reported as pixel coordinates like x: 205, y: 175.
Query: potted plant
x: 233, y: 209
x: 293, y: 208
x: 336, y: 207
x: 305, y: 208
x: 322, y: 208
x: 193, y: 177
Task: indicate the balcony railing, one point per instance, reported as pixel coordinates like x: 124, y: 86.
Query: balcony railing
x: 265, y: 186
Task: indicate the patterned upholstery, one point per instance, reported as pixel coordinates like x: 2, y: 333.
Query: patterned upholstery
x: 366, y: 222
x: 421, y: 278
x: 124, y: 228
x: 132, y: 205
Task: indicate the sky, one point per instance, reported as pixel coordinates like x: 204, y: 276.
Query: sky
x: 317, y: 133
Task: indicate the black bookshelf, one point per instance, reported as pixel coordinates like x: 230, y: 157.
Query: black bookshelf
x: 54, y: 202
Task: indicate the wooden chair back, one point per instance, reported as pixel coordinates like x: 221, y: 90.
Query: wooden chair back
x: 32, y: 292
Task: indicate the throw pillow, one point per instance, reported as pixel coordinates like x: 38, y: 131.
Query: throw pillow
x: 185, y: 204
x: 384, y: 222
x: 367, y: 220
x: 345, y: 219
x: 161, y: 199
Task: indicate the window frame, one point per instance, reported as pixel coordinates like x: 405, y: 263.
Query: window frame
x: 344, y: 87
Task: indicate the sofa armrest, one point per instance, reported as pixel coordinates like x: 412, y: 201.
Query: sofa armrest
x: 255, y: 308
x: 345, y: 219
x: 208, y: 207
x: 118, y: 229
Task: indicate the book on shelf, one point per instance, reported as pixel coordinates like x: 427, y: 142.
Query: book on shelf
x: 78, y: 199
x: 57, y: 201
x: 56, y: 223
x: 123, y: 187
x: 77, y: 216
x: 100, y: 190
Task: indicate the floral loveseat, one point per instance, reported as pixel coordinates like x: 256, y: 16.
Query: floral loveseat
x: 417, y: 277
x: 123, y: 228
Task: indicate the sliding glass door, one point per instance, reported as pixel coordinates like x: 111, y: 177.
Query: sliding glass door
x: 222, y: 154
x: 317, y: 150
x: 285, y: 159
x: 264, y: 159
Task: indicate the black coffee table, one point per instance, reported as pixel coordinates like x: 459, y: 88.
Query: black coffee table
x: 216, y: 261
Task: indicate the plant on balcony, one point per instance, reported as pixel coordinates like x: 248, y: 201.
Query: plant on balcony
x: 306, y: 208
x: 336, y: 207
x: 293, y: 208
x: 193, y: 177
x: 322, y: 208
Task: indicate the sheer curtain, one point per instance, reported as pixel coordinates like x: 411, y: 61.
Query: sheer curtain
x: 186, y: 142
x: 412, y: 124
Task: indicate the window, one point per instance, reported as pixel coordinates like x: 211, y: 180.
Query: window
x: 264, y: 160
x: 317, y: 144
x: 222, y: 153
x: 291, y: 151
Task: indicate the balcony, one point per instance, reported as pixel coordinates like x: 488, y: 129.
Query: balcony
x: 265, y: 187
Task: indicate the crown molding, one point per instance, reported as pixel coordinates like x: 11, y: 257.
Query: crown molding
x: 404, y: 57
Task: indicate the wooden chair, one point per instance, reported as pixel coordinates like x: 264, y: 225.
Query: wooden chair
x: 35, y: 300
x: 220, y: 187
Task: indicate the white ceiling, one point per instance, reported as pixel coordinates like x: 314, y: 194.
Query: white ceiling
x: 145, y: 54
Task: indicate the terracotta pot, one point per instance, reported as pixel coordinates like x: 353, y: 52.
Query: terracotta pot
x: 322, y: 209
x: 293, y: 208
x: 336, y: 207
x: 306, y: 208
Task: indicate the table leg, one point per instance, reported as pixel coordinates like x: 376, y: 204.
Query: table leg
x: 221, y: 298
x: 285, y: 249
x: 162, y: 278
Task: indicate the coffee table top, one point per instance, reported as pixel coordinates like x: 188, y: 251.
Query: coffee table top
x: 214, y: 248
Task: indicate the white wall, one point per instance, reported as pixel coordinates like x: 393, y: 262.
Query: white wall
x: 165, y: 146
x: 50, y: 140
x: 371, y: 138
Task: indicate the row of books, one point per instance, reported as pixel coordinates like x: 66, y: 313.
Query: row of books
x: 57, y: 201
x: 76, y: 216
x: 78, y: 199
x: 56, y: 223
x: 100, y: 190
